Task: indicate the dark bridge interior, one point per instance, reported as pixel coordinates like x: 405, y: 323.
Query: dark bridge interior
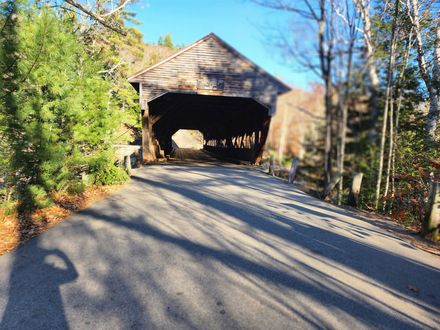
x: 232, y: 127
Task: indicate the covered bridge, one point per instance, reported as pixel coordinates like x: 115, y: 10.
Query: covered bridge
x: 210, y: 87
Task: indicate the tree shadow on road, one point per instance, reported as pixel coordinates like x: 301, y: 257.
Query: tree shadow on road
x: 383, y: 269
x: 297, y: 271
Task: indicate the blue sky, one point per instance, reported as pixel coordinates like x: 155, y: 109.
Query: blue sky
x: 241, y: 23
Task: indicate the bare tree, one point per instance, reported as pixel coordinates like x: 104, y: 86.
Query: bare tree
x: 348, y: 35
x: 388, y: 99
x: 102, y: 17
x: 394, y: 122
x: 363, y: 7
x: 430, y: 73
x: 321, y: 14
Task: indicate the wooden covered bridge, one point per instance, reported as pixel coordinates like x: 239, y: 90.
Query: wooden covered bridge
x: 210, y: 87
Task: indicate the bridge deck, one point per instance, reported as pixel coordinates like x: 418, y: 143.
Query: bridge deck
x: 200, y: 157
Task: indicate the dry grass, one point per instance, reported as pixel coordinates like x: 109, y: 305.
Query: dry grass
x: 15, y: 230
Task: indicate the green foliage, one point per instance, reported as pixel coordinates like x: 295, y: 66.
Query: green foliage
x: 33, y: 197
x: 58, y: 113
x: 76, y: 187
x: 9, y: 208
x: 10, y: 76
x: 116, y: 53
x: 104, y: 172
x: 166, y: 41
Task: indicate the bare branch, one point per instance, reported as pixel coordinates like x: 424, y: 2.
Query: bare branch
x: 122, y: 5
x: 97, y: 17
x: 283, y: 5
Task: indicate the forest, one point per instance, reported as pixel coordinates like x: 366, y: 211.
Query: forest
x: 65, y: 99
x: 379, y: 64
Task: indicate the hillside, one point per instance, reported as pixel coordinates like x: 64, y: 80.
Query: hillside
x: 295, y: 127
x: 138, y: 55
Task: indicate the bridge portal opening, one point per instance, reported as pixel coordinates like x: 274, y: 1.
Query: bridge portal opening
x: 231, y: 127
x: 187, y: 139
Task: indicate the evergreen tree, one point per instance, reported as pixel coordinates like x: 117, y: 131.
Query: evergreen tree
x: 168, y: 42
x: 15, y: 162
x: 60, y: 120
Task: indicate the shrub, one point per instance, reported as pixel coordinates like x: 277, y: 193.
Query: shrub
x: 103, y: 170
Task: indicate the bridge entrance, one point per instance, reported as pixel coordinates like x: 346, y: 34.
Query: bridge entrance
x: 208, y: 87
x: 187, y: 139
x: 233, y: 127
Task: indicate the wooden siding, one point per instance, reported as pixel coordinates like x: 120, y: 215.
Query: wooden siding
x: 209, y: 67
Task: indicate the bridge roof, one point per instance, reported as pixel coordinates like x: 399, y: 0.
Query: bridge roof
x: 209, y: 66
x: 136, y: 76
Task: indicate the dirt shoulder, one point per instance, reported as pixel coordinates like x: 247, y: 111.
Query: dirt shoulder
x: 15, y: 230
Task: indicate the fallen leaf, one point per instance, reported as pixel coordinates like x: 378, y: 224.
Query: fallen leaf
x: 413, y: 288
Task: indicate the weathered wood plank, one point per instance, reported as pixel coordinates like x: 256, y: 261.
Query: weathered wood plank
x: 211, y: 68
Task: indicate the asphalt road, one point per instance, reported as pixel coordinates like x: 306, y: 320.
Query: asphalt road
x: 217, y: 247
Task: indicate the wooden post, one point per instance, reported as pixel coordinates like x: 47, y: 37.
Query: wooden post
x: 264, y: 132
x: 138, y: 158
x: 431, y: 223
x: 293, y: 169
x: 328, y: 189
x: 271, y: 166
x: 353, y: 197
x: 148, y: 152
x: 127, y: 163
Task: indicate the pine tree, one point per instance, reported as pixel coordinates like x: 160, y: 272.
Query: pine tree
x: 16, y: 161
x: 168, y: 42
x: 60, y: 117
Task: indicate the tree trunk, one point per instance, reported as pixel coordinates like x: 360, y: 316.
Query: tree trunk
x: 431, y: 223
x: 399, y: 98
x: 433, y: 116
x: 390, y: 152
x: 363, y: 7
x: 283, y: 135
x: 325, y: 49
x: 328, y: 134
x: 431, y: 81
x: 392, y: 57
x: 434, y: 95
x: 344, y: 110
x: 342, y: 138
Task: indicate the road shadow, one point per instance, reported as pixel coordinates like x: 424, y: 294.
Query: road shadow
x: 34, y: 299
x: 128, y: 244
x: 383, y: 271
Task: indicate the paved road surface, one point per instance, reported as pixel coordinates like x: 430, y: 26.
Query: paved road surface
x: 194, y: 155
x: 217, y: 247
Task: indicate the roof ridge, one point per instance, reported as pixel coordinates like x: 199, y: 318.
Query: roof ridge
x: 196, y: 43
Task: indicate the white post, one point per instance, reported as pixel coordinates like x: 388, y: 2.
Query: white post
x: 355, y: 190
